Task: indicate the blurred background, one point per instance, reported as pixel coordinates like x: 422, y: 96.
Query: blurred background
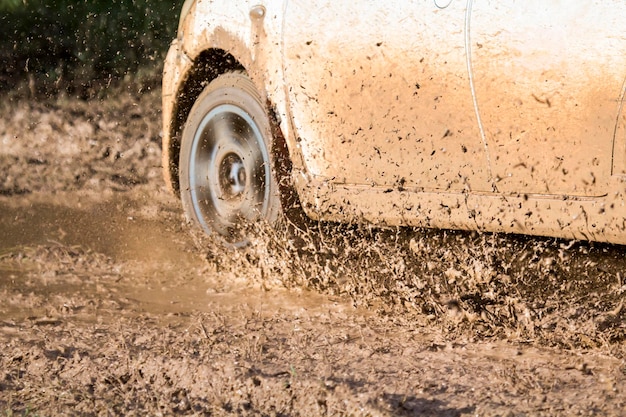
x: 83, y: 48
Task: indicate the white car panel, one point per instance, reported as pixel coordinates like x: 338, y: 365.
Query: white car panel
x: 483, y: 115
x: 548, y: 78
x: 379, y: 106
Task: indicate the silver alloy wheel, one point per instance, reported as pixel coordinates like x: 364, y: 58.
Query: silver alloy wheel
x: 226, y: 173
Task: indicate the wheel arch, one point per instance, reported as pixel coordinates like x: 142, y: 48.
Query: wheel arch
x: 208, y: 65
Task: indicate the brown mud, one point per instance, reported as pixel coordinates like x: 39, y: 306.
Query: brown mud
x: 111, y: 305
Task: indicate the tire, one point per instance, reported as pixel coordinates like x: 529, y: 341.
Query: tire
x: 226, y: 165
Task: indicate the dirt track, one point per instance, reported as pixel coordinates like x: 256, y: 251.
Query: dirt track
x: 110, y: 305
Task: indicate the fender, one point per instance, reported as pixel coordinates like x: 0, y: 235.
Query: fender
x: 201, y: 52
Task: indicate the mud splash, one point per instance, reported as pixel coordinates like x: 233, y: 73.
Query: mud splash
x: 110, y: 304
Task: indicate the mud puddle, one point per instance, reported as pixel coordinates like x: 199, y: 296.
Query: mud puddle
x: 123, y: 247
x: 117, y: 228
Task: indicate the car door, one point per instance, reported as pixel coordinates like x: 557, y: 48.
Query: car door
x: 380, y: 95
x: 548, y: 78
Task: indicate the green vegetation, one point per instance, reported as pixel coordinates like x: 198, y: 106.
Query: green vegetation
x: 80, y: 46
x: 10, y: 4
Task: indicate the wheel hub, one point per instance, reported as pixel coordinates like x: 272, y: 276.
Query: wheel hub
x: 232, y: 176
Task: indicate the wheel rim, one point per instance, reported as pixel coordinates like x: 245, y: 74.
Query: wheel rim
x: 229, y: 175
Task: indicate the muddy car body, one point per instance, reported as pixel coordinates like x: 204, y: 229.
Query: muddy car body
x: 494, y: 116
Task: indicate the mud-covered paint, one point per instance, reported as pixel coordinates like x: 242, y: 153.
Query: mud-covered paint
x: 548, y: 81
x: 498, y: 116
x: 380, y: 107
x: 177, y: 64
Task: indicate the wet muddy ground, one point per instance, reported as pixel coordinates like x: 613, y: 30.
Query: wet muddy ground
x: 111, y: 305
